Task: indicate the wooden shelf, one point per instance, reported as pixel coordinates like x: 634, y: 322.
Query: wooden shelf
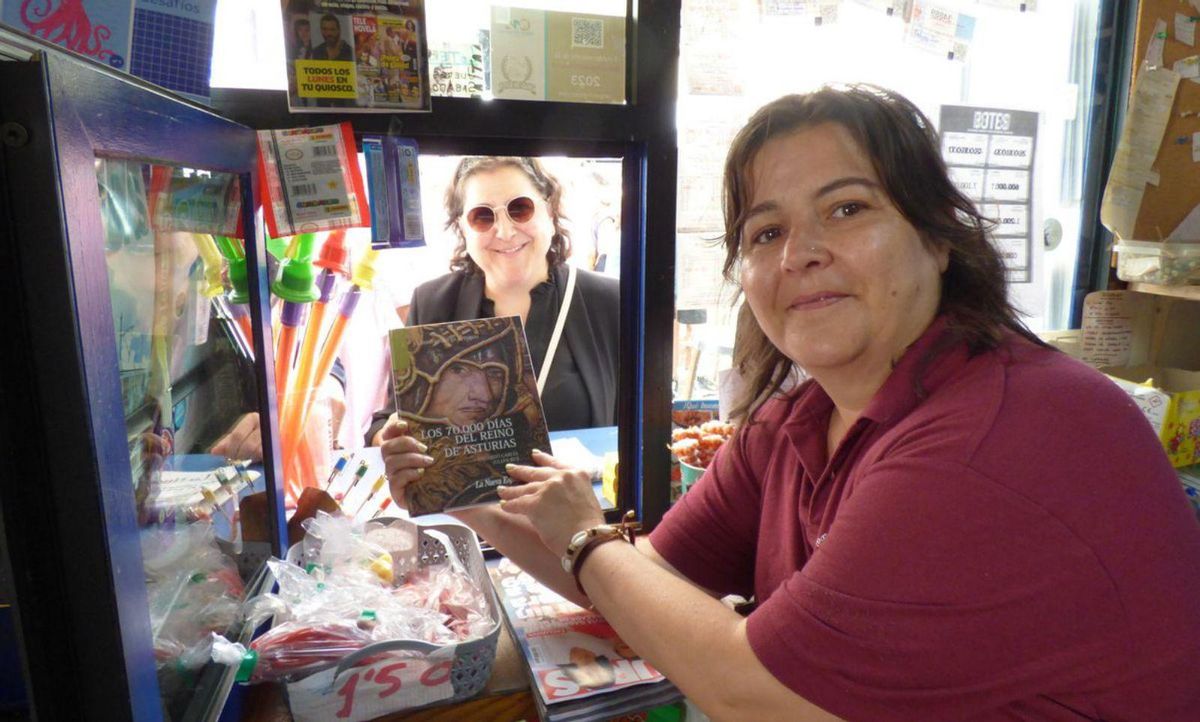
x: 1191, y: 293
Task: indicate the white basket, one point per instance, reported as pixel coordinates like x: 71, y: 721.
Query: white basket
x: 405, y: 674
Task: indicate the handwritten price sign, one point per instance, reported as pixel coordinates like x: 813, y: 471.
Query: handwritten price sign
x: 388, y: 684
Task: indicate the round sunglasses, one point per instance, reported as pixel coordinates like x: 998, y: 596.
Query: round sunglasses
x: 481, y: 218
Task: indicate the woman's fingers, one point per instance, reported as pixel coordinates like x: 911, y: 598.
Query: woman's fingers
x: 508, y: 493
x: 394, y: 427
x: 543, y: 459
x: 402, y: 470
x: 528, y: 474
x: 403, y: 444
x: 520, y: 499
x: 404, y: 458
x: 398, y: 481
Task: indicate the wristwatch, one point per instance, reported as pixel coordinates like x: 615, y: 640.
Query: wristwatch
x: 605, y: 532
x: 583, y: 542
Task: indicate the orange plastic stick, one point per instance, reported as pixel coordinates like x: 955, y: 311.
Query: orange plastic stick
x: 244, y: 322
x: 285, y: 346
x: 305, y: 464
x: 295, y: 403
x: 333, y: 343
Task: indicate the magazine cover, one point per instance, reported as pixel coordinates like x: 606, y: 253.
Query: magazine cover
x: 356, y: 55
x: 468, y: 391
x: 580, y: 668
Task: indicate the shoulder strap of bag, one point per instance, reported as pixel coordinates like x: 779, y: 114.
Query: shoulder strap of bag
x: 558, y: 327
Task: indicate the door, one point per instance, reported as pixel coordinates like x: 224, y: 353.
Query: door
x: 123, y: 209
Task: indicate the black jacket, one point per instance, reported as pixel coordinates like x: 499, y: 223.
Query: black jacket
x: 592, y: 331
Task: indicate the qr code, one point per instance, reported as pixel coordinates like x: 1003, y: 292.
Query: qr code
x: 587, y: 33
x: 320, y: 151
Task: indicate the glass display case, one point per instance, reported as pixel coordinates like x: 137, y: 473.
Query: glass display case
x: 138, y: 287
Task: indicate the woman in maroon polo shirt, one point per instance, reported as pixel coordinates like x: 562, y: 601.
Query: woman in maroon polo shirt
x: 947, y: 521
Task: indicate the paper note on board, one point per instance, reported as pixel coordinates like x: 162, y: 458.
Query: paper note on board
x: 1142, y: 134
x: 1185, y: 29
x: 1112, y: 322
x: 1154, y: 49
x: 1188, y: 67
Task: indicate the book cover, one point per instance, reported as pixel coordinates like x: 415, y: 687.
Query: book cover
x: 579, y: 667
x: 468, y: 391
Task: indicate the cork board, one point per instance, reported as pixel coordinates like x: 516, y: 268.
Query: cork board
x: 1178, y: 191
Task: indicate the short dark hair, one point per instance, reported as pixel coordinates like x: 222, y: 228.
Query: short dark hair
x: 905, y: 153
x: 547, y: 186
x: 330, y: 16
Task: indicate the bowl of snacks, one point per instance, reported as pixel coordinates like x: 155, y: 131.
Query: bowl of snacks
x: 695, y: 446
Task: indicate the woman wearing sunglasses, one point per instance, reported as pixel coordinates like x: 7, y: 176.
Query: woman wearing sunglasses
x: 511, y: 261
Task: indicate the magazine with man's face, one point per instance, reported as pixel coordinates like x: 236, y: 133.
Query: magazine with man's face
x: 468, y: 391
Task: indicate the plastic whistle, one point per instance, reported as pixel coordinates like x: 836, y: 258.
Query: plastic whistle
x: 295, y: 286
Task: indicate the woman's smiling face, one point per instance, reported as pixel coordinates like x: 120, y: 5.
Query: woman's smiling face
x: 510, y: 254
x: 835, y: 274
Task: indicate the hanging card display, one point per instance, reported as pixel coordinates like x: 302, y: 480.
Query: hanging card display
x: 311, y: 180
x: 394, y: 185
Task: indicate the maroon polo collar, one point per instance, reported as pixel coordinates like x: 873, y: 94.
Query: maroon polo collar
x: 897, y: 396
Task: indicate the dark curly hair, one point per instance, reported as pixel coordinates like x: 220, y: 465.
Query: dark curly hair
x: 547, y: 186
x: 905, y: 153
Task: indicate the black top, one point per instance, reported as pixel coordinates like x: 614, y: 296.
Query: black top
x: 564, y: 400
x: 581, y: 391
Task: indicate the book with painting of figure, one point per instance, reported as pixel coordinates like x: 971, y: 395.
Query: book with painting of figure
x: 468, y: 392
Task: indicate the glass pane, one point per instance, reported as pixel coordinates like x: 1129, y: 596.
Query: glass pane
x: 186, y: 381
x: 249, y: 49
x: 737, y: 55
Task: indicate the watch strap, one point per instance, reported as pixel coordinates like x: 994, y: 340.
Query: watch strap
x: 582, y: 544
x: 584, y: 552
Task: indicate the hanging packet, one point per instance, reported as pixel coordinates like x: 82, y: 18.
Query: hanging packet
x: 393, y: 180
x: 310, y: 180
